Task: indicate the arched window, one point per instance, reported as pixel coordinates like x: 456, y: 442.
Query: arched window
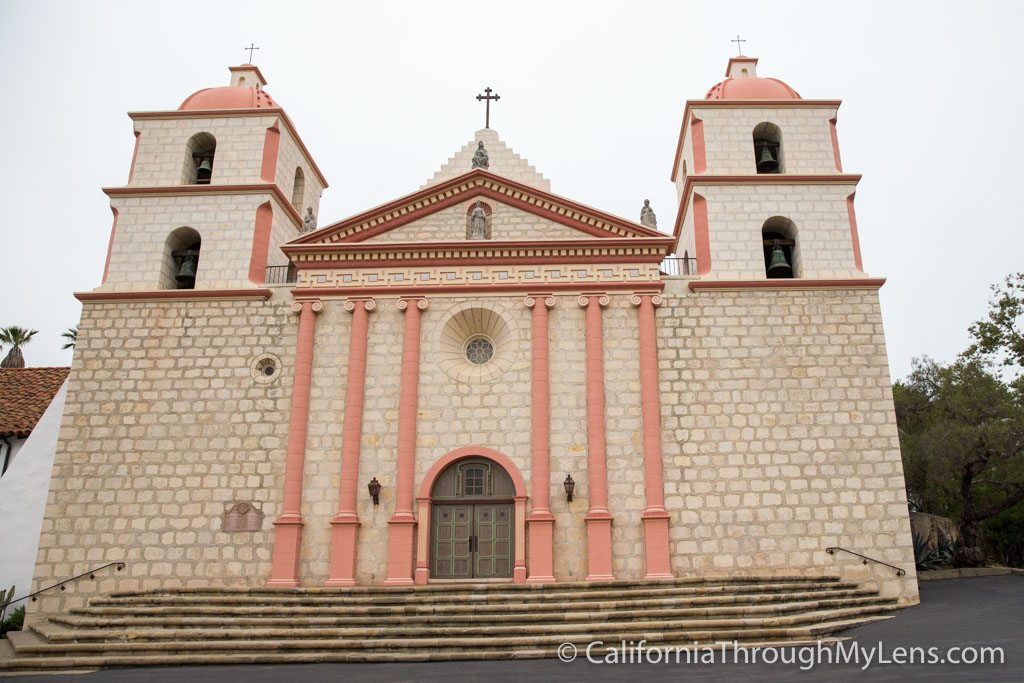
x: 768, y: 148
x: 781, y: 250
x: 199, y: 153
x: 181, y: 259
x: 298, y: 190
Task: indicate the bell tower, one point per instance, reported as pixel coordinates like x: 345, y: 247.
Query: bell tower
x: 216, y: 186
x: 761, y: 189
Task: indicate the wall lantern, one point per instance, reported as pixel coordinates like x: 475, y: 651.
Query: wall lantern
x: 570, y: 486
x: 374, y: 488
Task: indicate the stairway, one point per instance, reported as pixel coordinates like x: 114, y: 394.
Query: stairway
x: 434, y: 622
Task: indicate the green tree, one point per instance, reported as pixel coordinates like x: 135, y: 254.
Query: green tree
x: 71, y: 337
x: 962, y: 435
x: 16, y: 337
x: 998, y: 337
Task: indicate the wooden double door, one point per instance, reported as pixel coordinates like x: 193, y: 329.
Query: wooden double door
x: 471, y: 540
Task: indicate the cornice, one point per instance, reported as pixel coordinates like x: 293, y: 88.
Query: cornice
x: 740, y: 104
x: 413, y: 291
x: 174, y: 295
x: 190, y: 190
x: 235, y: 113
x: 796, y: 283
x: 477, y: 182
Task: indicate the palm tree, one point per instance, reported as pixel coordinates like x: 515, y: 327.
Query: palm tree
x: 16, y: 337
x: 71, y: 334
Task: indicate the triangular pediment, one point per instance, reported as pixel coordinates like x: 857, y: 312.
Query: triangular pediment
x: 569, y: 220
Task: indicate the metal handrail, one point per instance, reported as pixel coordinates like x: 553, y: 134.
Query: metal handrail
x: 832, y: 551
x: 91, y: 574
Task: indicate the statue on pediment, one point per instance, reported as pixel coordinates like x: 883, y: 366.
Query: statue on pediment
x: 647, y: 217
x: 478, y: 223
x: 480, y: 158
x: 309, y: 220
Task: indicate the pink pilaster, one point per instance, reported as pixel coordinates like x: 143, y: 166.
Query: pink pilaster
x: 401, y: 534
x: 655, y: 518
x: 541, y: 522
x: 599, y: 520
x: 345, y: 526
x: 284, y: 570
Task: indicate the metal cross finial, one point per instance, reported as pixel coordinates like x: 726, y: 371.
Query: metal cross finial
x: 487, y: 98
x: 252, y: 46
x: 739, y: 48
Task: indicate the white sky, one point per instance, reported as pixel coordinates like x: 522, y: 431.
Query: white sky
x: 592, y: 94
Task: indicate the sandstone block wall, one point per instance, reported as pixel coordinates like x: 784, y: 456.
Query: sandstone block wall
x: 290, y: 157
x: 501, y: 161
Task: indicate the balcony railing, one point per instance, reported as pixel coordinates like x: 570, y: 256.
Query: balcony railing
x: 678, y: 265
x: 281, y: 275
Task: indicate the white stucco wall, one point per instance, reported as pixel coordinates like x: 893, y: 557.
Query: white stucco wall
x: 23, y: 491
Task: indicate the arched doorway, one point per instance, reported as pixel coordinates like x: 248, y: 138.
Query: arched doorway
x: 472, y: 518
x: 472, y: 521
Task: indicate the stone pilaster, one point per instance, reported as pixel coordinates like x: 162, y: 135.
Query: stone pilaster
x: 541, y: 522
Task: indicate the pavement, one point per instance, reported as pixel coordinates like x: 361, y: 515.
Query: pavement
x: 965, y: 614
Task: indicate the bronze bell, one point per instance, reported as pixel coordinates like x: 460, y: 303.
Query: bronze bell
x: 204, y: 172
x: 767, y: 163
x: 186, y: 276
x: 778, y: 266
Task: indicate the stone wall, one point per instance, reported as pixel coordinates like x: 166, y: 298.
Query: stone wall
x: 501, y: 161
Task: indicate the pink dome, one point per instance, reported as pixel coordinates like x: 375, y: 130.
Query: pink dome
x: 228, y: 97
x: 752, y: 89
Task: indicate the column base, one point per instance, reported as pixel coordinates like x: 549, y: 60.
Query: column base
x: 599, y: 547
x: 422, y: 576
x: 541, y: 527
x: 656, y: 545
x: 401, y: 537
x: 344, y: 535
x: 284, y: 568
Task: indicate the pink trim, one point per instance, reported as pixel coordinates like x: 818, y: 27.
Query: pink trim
x: 135, y: 154
x: 599, y: 520
x: 176, y: 294
x: 465, y: 289
x: 345, y: 524
x: 271, y: 145
x: 187, y: 190
x: 540, y: 521
x: 701, y: 234
x: 853, y: 232
x: 288, y: 527
x: 700, y: 162
x: 261, y: 243
x: 860, y: 283
x: 424, y: 500
x: 235, y: 113
x: 400, y: 536
x: 655, y: 518
x: 605, y: 244
x: 835, y: 143
x: 110, y: 245
x: 461, y: 260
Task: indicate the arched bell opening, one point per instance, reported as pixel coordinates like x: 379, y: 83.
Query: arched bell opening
x: 768, y: 148
x: 298, y: 190
x: 181, y: 259
x: 200, y: 151
x: 781, y: 249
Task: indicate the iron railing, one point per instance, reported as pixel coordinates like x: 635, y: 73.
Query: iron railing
x: 91, y: 574
x: 281, y: 275
x: 679, y: 265
x: 865, y: 558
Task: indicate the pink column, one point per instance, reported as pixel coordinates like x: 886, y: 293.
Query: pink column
x: 599, y: 520
x: 541, y: 521
x: 284, y: 570
x: 655, y: 518
x: 401, y: 536
x: 346, y: 524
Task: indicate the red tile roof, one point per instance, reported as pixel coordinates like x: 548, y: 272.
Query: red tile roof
x: 25, y: 393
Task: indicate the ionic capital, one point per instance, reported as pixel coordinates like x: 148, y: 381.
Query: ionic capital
x: 602, y: 299
x: 532, y: 299
x: 420, y: 302
x: 368, y: 304
x: 317, y: 306
x: 638, y: 298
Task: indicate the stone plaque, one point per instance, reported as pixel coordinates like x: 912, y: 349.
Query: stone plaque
x: 242, y: 517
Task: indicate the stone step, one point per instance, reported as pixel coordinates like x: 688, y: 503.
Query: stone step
x: 630, y: 626
x: 385, y: 640
x: 497, y: 593
x: 861, y: 598
x: 624, y: 601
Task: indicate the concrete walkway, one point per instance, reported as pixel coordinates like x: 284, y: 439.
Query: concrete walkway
x: 963, y: 613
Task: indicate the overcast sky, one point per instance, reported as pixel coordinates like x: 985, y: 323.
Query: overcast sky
x: 592, y: 94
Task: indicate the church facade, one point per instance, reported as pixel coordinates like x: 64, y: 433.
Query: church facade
x: 480, y: 380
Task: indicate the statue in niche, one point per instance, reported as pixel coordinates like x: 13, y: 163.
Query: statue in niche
x: 478, y: 223
x: 309, y: 220
x: 647, y: 216
x: 480, y: 158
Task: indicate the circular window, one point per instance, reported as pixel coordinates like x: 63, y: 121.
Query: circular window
x: 265, y: 368
x: 479, y: 350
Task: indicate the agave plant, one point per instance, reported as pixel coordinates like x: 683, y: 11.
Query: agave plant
x: 925, y: 557
x: 16, y: 337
